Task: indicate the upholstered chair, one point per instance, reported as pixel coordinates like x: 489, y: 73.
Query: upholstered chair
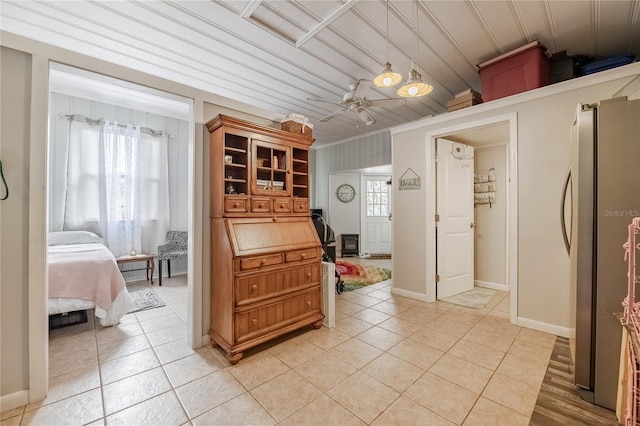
x: 174, y: 248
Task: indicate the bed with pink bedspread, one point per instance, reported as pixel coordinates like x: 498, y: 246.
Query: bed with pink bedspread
x: 84, y: 274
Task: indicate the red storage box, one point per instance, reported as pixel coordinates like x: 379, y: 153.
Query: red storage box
x: 517, y: 71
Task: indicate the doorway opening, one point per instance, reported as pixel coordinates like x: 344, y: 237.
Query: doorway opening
x: 367, y: 215
x: 93, y: 96
x: 494, y: 225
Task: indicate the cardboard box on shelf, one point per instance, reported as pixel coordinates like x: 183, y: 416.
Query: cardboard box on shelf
x: 464, y: 100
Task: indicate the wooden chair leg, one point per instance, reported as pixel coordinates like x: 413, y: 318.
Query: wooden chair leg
x: 159, y: 272
x: 169, y: 267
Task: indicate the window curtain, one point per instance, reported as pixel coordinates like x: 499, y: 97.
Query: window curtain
x: 117, y: 186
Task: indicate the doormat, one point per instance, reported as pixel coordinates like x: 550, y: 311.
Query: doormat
x: 357, y: 276
x: 476, y: 298
x: 144, y: 298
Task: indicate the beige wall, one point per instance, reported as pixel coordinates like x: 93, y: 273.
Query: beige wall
x: 491, y: 230
x: 15, y: 109
x: 545, y: 296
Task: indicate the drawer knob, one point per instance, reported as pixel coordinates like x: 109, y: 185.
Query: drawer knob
x: 261, y: 205
x: 282, y: 206
x: 262, y: 262
x: 308, y: 274
x: 254, y: 287
x: 255, y: 320
x: 288, y: 172
x: 308, y: 302
x: 235, y: 204
x: 303, y: 255
x: 275, y: 219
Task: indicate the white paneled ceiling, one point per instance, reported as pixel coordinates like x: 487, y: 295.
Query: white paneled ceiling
x: 274, y: 54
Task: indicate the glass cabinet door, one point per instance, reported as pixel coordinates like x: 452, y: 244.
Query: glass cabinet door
x: 271, y: 169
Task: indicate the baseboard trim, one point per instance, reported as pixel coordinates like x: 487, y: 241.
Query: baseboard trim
x: 569, y: 333
x: 492, y: 286
x: 206, y: 339
x: 410, y: 294
x: 14, y: 400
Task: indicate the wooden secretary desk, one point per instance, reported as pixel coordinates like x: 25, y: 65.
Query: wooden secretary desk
x: 266, y: 258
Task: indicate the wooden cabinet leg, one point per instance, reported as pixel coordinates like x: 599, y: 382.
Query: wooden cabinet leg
x: 317, y: 325
x: 234, y: 358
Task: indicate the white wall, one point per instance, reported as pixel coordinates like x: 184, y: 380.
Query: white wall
x: 545, y: 297
x: 344, y: 218
x: 177, y: 158
x: 490, y: 220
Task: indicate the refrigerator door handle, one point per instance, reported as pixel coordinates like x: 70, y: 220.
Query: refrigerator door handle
x: 563, y: 223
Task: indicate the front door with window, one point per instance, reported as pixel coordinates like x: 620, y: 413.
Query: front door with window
x: 376, y: 215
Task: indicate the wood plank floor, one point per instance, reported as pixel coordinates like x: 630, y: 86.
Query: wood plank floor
x: 558, y: 401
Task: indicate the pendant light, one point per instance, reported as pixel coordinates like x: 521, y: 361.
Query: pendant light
x: 387, y: 78
x: 414, y: 87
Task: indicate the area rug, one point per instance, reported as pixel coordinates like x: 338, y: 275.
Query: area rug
x: 144, y: 298
x: 476, y: 298
x: 357, y: 276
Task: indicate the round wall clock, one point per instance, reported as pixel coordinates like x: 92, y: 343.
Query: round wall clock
x: 346, y: 193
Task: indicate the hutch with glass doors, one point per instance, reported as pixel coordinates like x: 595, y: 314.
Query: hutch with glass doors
x: 266, y: 258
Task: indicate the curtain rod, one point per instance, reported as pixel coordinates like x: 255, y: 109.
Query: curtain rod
x: 100, y: 122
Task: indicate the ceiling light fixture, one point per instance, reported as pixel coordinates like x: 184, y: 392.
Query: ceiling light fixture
x: 414, y: 87
x: 388, y: 77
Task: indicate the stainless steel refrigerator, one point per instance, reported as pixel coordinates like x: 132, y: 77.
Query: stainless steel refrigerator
x: 604, y: 183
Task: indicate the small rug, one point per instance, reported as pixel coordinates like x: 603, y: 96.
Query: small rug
x: 144, y: 298
x: 357, y: 276
x: 476, y: 298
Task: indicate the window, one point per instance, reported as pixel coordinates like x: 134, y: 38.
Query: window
x: 377, y: 198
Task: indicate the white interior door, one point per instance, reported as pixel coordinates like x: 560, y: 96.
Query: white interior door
x: 376, y: 215
x: 455, y: 228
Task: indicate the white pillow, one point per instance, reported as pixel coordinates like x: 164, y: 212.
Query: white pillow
x: 73, y: 237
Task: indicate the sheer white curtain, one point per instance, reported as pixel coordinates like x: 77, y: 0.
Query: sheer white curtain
x: 117, y: 186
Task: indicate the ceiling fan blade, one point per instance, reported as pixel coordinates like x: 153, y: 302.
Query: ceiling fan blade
x: 366, y: 118
x: 361, y: 85
x: 333, y: 114
x: 386, y: 102
x: 329, y: 101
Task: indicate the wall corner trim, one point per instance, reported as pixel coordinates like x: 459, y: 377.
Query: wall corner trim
x: 14, y: 400
x: 567, y: 332
x: 410, y: 294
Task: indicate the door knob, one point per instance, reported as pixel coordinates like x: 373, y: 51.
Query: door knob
x: 472, y: 225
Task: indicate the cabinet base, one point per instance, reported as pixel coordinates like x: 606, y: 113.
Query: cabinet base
x: 234, y: 358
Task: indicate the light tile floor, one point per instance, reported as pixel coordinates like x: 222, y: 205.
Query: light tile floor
x: 389, y: 360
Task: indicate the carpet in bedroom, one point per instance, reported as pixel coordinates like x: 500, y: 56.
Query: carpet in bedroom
x: 144, y: 297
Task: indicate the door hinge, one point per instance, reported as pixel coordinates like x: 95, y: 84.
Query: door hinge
x: 437, y: 218
x: 436, y: 157
x: 437, y: 278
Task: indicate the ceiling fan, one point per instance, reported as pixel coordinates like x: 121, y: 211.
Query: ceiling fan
x: 353, y: 101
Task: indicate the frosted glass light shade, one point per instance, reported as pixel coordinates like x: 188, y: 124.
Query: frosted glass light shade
x: 387, y: 78
x: 414, y: 87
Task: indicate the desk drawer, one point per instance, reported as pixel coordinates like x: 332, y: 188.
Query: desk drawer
x: 262, y: 286
x: 281, y: 205
x: 301, y: 205
x: 260, y: 205
x: 260, y: 261
x: 255, y: 322
x: 235, y: 204
x: 298, y: 255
